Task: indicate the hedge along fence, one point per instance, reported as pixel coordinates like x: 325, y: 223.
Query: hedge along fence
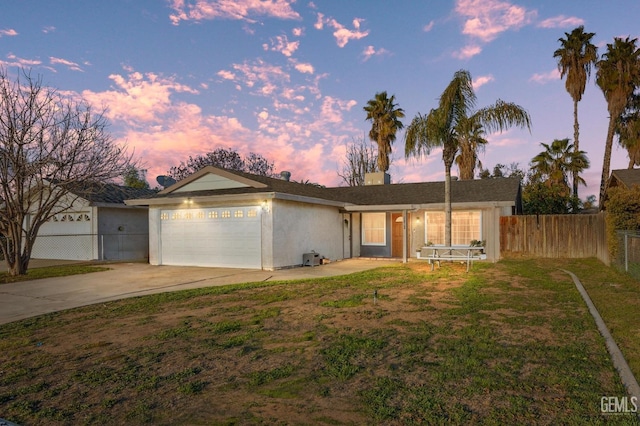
x: 555, y: 236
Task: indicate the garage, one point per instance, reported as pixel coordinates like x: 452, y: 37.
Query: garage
x: 220, y: 237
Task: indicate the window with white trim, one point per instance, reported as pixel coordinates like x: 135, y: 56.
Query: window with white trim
x: 374, y: 229
x: 466, y: 226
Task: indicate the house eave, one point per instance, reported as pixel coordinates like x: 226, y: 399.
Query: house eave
x: 254, y: 197
x: 427, y: 206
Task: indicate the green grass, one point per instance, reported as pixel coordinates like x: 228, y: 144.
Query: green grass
x: 51, y: 272
x: 507, y: 343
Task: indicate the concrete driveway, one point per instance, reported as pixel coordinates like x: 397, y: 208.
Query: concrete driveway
x: 31, y: 298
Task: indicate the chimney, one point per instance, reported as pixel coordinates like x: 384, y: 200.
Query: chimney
x: 378, y: 178
x: 285, y: 175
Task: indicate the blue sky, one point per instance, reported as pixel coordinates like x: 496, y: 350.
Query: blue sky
x: 289, y: 79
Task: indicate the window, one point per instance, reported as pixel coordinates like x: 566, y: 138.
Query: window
x: 226, y: 214
x: 164, y: 216
x: 252, y: 213
x: 465, y: 227
x: 213, y: 215
x: 238, y: 214
x: 374, y: 229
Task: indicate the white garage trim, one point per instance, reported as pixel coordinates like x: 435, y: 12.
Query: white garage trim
x: 220, y: 237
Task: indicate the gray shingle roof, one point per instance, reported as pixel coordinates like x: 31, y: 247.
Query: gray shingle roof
x: 483, y: 190
x: 627, y: 177
x: 108, y: 193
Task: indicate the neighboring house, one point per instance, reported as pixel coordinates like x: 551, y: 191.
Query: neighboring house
x: 226, y: 218
x: 625, y: 178
x: 95, y: 224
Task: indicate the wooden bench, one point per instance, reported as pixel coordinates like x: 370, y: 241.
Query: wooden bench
x: 452, y: 253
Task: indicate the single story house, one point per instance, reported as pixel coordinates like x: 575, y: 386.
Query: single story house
x: 94, y: 223
x: 226, y: 218
x: 625, y: 178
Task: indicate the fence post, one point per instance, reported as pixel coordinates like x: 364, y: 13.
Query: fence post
x: 626, y: 252
x: 102, y: 247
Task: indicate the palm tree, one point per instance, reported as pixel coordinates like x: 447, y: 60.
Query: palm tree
x: 575, y: 59
x: 618, y: 74
x: 556, y: 162
x: 628, y: 131
x: 385, y: 122
x: 472, y: 142
x: 447, y: 127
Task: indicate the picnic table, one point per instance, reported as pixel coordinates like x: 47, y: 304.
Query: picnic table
x: 452, y: 253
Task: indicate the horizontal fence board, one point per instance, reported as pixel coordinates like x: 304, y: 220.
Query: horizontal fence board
x: 555, y: 236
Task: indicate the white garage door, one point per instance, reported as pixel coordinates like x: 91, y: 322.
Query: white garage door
x: 222, y: 237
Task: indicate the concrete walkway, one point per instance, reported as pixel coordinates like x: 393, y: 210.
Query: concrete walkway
x: 31, y: 298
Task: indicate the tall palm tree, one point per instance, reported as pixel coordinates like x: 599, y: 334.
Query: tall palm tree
x: 385, y: 122
x: 628, y: 131
x: 575, y: 59
x: 447, y: 127
x: 618, y: 75
x: 557, y: 162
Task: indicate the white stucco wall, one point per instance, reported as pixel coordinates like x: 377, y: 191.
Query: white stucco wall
x: 299, y: 228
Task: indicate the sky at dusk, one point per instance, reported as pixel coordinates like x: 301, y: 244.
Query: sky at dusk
x: 289, y: 79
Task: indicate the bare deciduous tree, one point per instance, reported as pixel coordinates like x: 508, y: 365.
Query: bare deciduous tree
x: 48, y: 143
x: 361, y: 158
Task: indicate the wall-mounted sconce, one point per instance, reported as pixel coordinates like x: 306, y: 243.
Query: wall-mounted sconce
x: 188, y: 201
x: 265, y: 206
x: 418, y: 219
x: 346, y: 222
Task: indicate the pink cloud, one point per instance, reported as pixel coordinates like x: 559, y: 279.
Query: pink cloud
x: 283, y: 45
x: 15, y: 61
x: 200, y: 10
x: 138, y: 99
x: 482, y: 80
x: 467, y: 52
x: 342, y: 34
x: 486, y: 19
x: 69, y: 64
x: 561, y: 21
x: 370, y: 52
x: 8, y: 32
x: 428, y: 27
x: 543, y: 78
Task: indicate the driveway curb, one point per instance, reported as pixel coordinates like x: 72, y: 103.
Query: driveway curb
x: 626, y: 375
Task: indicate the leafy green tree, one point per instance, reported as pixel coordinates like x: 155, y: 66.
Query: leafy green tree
x: 559, y: 160
x: 135, y: 178
x: 385, y: 116
x: 447, y: 126
x: 618, y: 75
x: 575, y: 60
x: 623, y: 213
x: 226, y: 159
x: 501, y: 170
x: 540, y: 198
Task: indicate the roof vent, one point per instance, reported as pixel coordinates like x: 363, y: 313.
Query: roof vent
x: 285, y: 175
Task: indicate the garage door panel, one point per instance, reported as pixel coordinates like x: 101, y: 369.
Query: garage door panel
x: 223, y: 237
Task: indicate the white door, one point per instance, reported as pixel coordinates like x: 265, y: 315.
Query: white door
x: 221, y: 237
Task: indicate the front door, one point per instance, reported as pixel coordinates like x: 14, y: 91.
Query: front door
x: 397, y: 230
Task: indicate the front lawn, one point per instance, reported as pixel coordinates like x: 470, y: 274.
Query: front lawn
x: 507, y: 343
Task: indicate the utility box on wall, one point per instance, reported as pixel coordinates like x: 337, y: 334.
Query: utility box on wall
x: 311, y: 259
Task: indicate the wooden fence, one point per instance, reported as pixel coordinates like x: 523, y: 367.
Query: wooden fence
x: 555, y: 236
